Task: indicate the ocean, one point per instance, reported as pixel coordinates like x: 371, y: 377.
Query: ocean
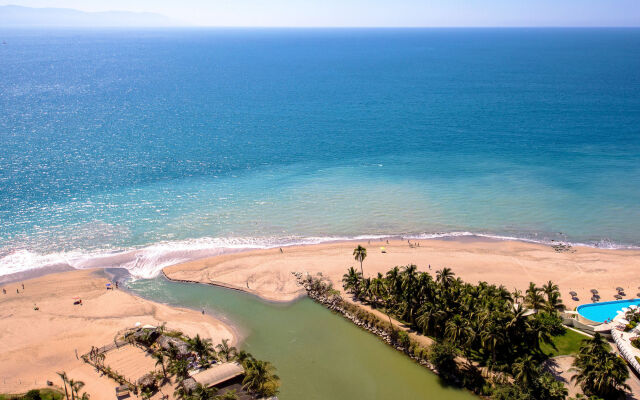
x: 142, y: 148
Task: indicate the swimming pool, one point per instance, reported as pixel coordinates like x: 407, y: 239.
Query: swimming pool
x: 599, y: 312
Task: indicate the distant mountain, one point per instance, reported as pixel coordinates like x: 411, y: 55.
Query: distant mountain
x: 18, y: 16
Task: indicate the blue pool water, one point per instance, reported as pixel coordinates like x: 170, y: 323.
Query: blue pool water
x: 172, y: 144
x: 600, y: 312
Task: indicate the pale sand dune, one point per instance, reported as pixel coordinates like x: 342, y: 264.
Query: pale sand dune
x: 36, y: 344
x: 513, y: 264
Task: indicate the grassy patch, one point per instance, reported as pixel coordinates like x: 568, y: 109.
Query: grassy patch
x: 45, y: 394
x: 566, y: 344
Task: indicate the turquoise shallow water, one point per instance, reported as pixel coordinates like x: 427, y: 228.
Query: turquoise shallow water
x: 318, y: 355
x: 144, y: 148
x: 600, y: 312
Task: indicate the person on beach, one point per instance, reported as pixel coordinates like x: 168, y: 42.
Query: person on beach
x: 116, y: 284
x: 4, y: 291
x: 281, y: 250
x: 17, y: 291
x: 23, y: 286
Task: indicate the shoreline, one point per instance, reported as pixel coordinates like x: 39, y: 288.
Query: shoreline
x: 39, y: 343
x: 232, y: 287
x: 190, y: 250
x: 267, y: 272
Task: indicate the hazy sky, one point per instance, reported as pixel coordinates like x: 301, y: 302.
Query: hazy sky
x: 372, y: 12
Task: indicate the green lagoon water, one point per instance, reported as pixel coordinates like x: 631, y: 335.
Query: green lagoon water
x: 319, y: 355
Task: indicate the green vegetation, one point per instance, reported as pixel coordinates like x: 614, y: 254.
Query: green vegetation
x: 565, y: 344
x: 360, y: 253
x: 508, y: 333
x: 259, y: 380
x: 72, y: 387
x: 173, y: 351
x: 36, y: 394
x: 600, y: 373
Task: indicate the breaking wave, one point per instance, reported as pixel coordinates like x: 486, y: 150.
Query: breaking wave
x: 148, y: 262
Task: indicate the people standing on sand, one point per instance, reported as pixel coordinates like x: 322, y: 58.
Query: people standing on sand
x: 17, y: 291
x: 23, y: 286
x: 281, y: 250
x: 4, y: 291
x: 116, y: 284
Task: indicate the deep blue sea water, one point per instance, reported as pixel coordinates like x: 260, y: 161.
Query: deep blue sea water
x: 182, y: 143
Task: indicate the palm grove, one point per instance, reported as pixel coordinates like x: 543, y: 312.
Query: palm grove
x: 489, y: 326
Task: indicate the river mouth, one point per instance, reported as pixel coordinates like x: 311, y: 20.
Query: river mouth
x: 318, y: 354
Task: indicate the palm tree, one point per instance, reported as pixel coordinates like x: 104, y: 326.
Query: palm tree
x: 159, y: 357
x: 457, y: 329
x: 226, y: 351
x: 181, y: 393
x: 526, y: 370
x: 352, y: 281
x: 202, y: 347
x: 492, y: 338
x: 360, y: 253
x: 378, y: 289
x: 599, y: 372
x: 517, y: 295
x: 228, y: 395
x: 75, y: 388
x: 554, y: 303
x: 65, y: 379
x: 172, y: 351
x: 445, y: 277
x: 533, y: 299
x: 242, y: 356
x: 179, y: 368
x: 550, y: 288
x: 202, y: 392
x: 260, y: 378
x: 85, y: 396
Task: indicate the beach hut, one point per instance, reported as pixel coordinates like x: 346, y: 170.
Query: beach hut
x: 147, y: 380
x: 166, y: 341
x: 122, y: 391
x: 218, y: 373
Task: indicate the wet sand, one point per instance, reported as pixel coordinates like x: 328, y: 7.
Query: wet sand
x: 267, y: 273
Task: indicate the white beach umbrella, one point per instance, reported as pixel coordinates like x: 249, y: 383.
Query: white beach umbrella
x: 137, y: 324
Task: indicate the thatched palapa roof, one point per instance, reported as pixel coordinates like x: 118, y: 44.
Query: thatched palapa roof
x: 181, y: 345
x: 218, y: 373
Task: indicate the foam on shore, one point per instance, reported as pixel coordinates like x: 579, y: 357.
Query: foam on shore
x: 148, y: 262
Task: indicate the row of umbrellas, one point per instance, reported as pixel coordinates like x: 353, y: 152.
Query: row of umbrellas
x: 595, y: 296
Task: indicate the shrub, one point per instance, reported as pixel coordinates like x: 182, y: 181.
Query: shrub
x: 551, y: 322
x: 403, y: 339
x: 32, y: 395
x: 443, y: 358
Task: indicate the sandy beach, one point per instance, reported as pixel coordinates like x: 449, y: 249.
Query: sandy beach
x: 267, y: 273
x: 37, y: 344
